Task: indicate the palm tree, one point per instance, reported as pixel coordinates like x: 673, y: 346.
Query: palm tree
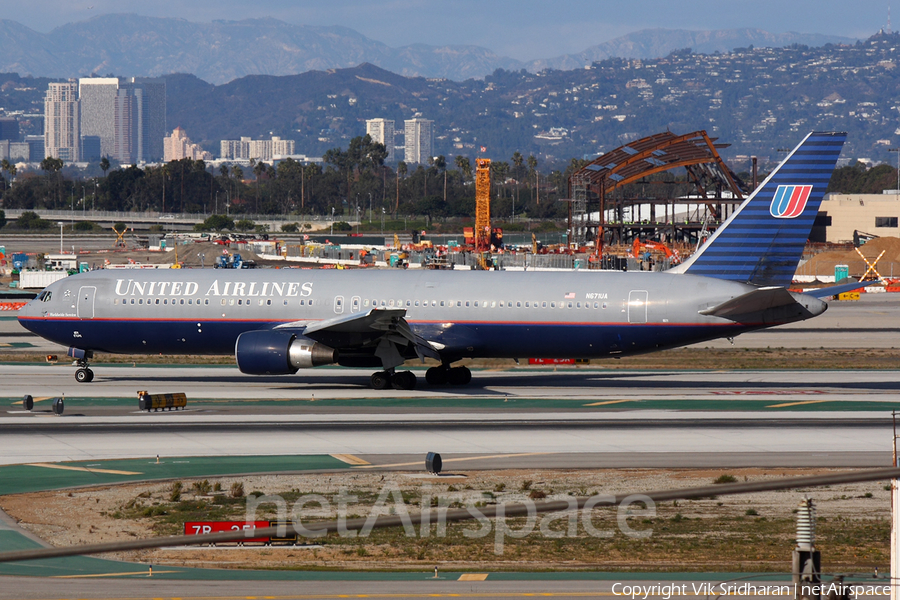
x: 517, y: 160
x: 104, y: 165
x: 440, y: 163
x: 258, y: 169
x: 532, y: 169
x: 4, y: 166
x: 238, y: 173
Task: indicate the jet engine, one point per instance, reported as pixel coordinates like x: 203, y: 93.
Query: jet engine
x: 279, y: 353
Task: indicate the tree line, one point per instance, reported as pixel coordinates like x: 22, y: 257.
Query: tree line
x: 348, y: 183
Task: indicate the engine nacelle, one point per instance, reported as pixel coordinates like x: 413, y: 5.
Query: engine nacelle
x: 279, y: 353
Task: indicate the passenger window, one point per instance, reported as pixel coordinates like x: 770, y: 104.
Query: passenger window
x: 442, y: 302
x: 518, y: 305
x: 570, y: 305
x: 132, y: 300
x: 417, y: 302
x: 115, y: 300
x: 578, y: 305
x: 459, y: 303
x: 240, y: 302
x: 166, y: 301
x: 224, y: 301
x: 261, y: 302
x: 206, y: 302
x: 182, y: 301
x: 543, y: 305
x: 408, y: 303
x: 493, y: 304
x: 285, y: 303
x: 157, y: 301
x: 268, y: 303
x: 365, y: 303
x: 553, y: 305
x: 190, y: 300
x: 231, y: 301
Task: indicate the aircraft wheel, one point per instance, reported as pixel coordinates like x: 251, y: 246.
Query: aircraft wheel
x: 380, y: 380
x: 459, y: 376
x: 405, y: 380
x: 436, y: 375
x: 83, y: 375
x: 90, y: 375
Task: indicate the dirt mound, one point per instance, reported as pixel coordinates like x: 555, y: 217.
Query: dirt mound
x: 823, y: 264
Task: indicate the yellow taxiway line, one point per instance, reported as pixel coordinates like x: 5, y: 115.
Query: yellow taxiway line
x: 84, y: 469
x: 350, y: 459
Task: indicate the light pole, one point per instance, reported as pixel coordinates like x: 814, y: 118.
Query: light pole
x: 382, y: 220
x: 370, y: 207
x: 82, y: 202
x: 332, y: 221
x: 61, y: 224
x: 357, y: 214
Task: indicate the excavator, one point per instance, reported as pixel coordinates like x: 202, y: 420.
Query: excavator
x: 647, y: 247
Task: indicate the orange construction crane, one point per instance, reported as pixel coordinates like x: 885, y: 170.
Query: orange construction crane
x: 482, y: 204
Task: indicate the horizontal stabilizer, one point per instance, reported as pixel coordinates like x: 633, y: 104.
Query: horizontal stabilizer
x: 751, y: 302
x: 834, y: 290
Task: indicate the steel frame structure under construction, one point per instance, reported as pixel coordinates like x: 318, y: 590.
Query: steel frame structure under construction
x: 597, y: 213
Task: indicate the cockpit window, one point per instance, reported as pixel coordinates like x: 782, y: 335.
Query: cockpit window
x: 45, y: 296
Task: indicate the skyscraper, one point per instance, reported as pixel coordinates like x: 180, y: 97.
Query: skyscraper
x: 62, y: 135
x: 129, y: 116
x: 98, y: 109
x: 382, y: 131
x: 150, y: 110
x: 419, y: 140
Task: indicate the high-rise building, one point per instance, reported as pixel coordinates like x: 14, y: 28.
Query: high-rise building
x: 150, y: 109
x: 98, y: 109
x: 129, y: 116
x: 382, y: 131
x: 264, y: 150
x: 179, y: 145
x: 125, y: 149
x: 9, y: 129
x: 419, y: 140
x: 62, y: 132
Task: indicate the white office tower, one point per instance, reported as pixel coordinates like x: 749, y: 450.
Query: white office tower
x: 62, y: 135
x: 419, y: 142
x: 98, y: 108
x: 382, y: 131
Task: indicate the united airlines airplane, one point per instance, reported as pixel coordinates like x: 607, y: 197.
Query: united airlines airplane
x: 279, y: 321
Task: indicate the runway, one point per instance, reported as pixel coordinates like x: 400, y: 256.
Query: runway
x: 548, y: 419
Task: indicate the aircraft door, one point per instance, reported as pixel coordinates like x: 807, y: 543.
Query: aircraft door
x: 354, y: 304
x: 338, y: 304
x: 637, y: 306
x: 85, y: 306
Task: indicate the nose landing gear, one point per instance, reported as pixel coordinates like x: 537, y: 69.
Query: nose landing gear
x: 82, y: 358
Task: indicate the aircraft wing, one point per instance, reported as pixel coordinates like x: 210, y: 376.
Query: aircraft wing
x: 366, y: 328
x: 756, y: 301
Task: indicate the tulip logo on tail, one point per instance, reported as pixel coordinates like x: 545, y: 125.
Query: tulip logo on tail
x: 789, y: 201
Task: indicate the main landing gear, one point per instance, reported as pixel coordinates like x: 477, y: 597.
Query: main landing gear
x: 382, y: 380
x: 84, y: 373
x: 445, y: 374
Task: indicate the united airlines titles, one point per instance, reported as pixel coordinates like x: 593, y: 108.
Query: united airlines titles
x: 264, y: 289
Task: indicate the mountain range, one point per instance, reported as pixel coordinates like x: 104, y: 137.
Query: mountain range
x: 222, y: 51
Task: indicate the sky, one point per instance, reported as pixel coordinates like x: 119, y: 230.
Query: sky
x: 521, y: 29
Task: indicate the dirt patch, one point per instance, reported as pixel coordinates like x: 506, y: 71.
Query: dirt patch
x: 698, y: 535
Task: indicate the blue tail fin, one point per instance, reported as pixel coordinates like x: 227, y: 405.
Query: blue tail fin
x: 761, y: 243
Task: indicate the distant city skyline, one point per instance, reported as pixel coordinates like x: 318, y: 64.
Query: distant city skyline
x: 524, y: 30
